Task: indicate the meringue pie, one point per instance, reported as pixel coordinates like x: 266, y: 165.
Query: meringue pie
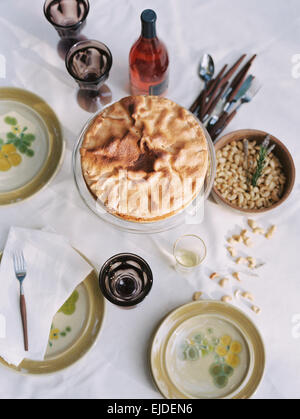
x: 144, y: 158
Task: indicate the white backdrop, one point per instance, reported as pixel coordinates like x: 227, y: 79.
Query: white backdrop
x: 117, y: 366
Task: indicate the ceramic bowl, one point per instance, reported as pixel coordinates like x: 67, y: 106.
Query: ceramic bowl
x: 280, y: 151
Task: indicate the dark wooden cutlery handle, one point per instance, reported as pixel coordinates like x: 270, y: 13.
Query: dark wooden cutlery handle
x: 216, y: 100
x: 24, y: 321
x: 237, y: 81
x: 202, y: 104
x: 214, y: 82
x: 195, y: 105
x: 218, y: 124
x: 233, y: 69
x: 227, y: 121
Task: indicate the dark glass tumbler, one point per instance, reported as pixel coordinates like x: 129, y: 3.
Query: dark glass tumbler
x: 67, y: 16
x: 89, y: 63
x: 125, y: 280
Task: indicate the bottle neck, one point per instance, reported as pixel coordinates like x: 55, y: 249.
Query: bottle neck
x: 148, y: 30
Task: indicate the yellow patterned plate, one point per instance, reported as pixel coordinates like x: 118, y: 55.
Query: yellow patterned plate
x: 31, y: 145
x: 74, y: 331
x: 207, y: 350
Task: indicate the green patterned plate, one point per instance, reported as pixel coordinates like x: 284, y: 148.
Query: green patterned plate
x: 207, y: 350
x: 31, y: 145
x: 74, y: 330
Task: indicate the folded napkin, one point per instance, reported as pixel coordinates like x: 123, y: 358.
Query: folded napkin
x: 54, y: 270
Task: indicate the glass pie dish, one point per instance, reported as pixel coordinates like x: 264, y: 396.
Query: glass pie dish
x: 192, y: 214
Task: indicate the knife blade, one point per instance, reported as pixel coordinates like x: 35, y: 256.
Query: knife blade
x: 242, y: 90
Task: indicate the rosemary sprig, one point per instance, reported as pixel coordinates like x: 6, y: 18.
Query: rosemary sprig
x: 264, y: 151
x: 261, y: 161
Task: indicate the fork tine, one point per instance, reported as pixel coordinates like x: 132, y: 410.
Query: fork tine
x: 255, y: 87
x: 22, y: 261
x: 19, y: 261
x: 15, y: 261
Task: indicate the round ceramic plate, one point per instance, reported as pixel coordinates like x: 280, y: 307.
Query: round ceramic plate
x: 74, y: 330
x: 207, y: 350
x: 31, y: 145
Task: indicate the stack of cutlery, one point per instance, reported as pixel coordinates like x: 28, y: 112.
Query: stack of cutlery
x: 222, y: 96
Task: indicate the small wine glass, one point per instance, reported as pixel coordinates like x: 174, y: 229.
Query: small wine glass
x: 68, y: 17
x: 89, y: 63
x: 125, y: 280
x: 189, y: 252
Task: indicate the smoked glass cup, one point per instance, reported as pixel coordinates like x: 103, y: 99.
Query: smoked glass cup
x: 89, y: 63
x: 125, y: 280
x: 189, y: 252
x: 67, y: 16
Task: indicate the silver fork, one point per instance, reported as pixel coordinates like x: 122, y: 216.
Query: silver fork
x: 248, y: 96
x: 253, y: 90
x: 20, y: 271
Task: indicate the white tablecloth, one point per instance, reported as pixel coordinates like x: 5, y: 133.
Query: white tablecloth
x: 117, y: 366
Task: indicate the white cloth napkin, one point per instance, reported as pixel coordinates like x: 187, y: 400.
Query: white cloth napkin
x: 54, y: 269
